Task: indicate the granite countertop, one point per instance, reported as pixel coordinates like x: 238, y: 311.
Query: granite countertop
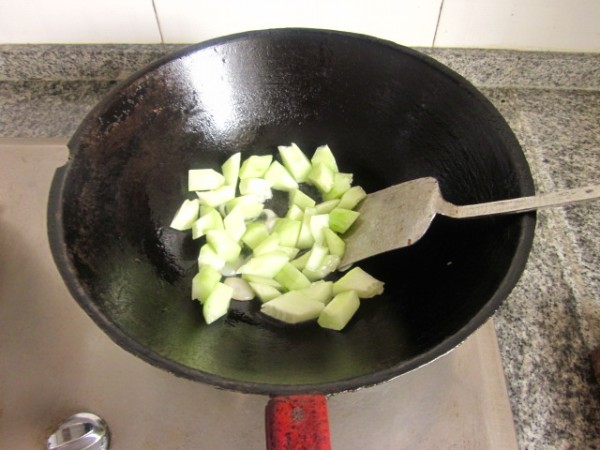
x: 550, y: 323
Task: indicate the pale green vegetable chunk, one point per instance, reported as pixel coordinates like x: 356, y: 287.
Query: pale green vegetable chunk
x: 335, y: 244
x: 295, y: 161
x: 204, y: 282
x: 265, y: 292
x: 267, y: 265
x: 288, y: 231
x: 338, y: 312
x: 327, y: 206
x: 280, y: 178
x: 269, y: 281
x: 295, y: 213
x: 305, y: 238
x: 300, y: 199
x: 321, y: 291
x: 231, y: 169
x: 268, y: 245
x: 210, y: 219
x: 204, y: 179
x: 209, y: 257
x: 365, y: 285
x: 235, y: 223
x: 329, y: 265
x: 255, y: 166
x: 292, y: 307
x: 223, y: 245
x: 341, y: 219
x: 250, y: 205
x: 321, y: 176
x: 291, y: 278
x: 256, y: 232
x: 317, y: 223
x: 258, y: 187
x: 291, y: 252
x: 352, y: 197
x: 341, y: 183
x: 216, y: 197
x: 217, y: 303
x: 324, y: 155
x: 316, y: 256
x: 300, y: 262
x: 186, y: 215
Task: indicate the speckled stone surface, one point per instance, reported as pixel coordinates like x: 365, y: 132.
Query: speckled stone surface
x: 551, y: 321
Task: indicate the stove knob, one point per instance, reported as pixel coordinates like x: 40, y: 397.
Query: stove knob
x: 82, y: 431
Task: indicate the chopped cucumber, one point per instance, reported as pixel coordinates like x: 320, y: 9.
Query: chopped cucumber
x: 217, y: 196
x: 280, y: 178
x: 341, y: 219
x: 266, y: 265
x: 292, y: 307
x: 231, y: 169
x: 321, y: 290
x: 209, y: 220
x: 255, y: 166
x: 251, y: 206
x: 223, y: 245
x: 305, y: 238
x: 217, y: 303
x: 324, y: 155
x: 341, y: 183
x: 265, y: 292
x: 291, y: 278
x: 256, y: 232
x: 288, y: 231
x: 258, y: 187
x: 329, y: 265
x: 235, y: 223
x: 317, y: 223
x: 268, y: 245
x: 321, y: 176
x: 186, y: 215
x: 295, y: 161
x: 352, y: 197
x: 300, y: 262
x: 204, y: 179
x: 291, y: 252
x: 335, y: 244
x: 294, y: 213
x: 204, y: 282
x: 365, y: 285
x: 209, y: 257
x: 338, y: 312
x: 300, y: 199
x: 269, y: 281
x: 327, y: 206
x: 316, y: 256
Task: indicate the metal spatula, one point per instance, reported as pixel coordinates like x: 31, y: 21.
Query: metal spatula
x: 399, y: 215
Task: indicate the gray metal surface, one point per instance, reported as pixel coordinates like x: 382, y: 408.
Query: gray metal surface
x: 54, y: 362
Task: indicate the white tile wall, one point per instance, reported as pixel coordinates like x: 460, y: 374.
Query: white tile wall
x: 77, y: 21
x: 410, y: 22
x: 570, y: 25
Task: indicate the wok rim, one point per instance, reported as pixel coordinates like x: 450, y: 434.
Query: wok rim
x: 125, y: 341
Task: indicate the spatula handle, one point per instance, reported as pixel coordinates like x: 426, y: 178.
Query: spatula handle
x: 523, y: 204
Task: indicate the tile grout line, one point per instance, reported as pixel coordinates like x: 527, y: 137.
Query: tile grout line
x: 437, y: 24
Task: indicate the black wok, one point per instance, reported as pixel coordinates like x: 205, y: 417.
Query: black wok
x: 389, y: 113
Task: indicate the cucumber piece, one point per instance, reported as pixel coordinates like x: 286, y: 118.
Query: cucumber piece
x: 288, y: 231
x: 305, y: 238
x: 268, y: 245
x: 209, y: 257
x: 186, y: 215
x: 324, y: 155
x: 341, y: 219
x: 321, y: 176
x: 330, y: 264
x: 251, y: 206
x: 209, y: 220
x: 204, y: 179
x: 231, y: 169
x: 255, y: 166
x: 216, y: 197
x: 327, y: 206
x: 291, y: 252
x: 300, y: 199
x: 235, y: 224
x: 262, y: 280
x: 300, y: 262
x: 223, y: 245
x: 294, y: 213
x: 265, y: 292
x: 335, y: 244
x: 365, y: 285
x: 292, y: 307
x: 338, y: 312
x: 321, y: 291
x: 295, y: 161
x: 217, y: 303
x: 317, y: 223
x: 258, y: 187
x: 267, y: 265
x: 204, y: 282
x: 280, y: 178
x: 256, y: 232
x: 291, y: 278
x: 341, y: 183
x: 316, y: 256
x: 352, y: 197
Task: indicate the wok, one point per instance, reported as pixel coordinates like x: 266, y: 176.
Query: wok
x: 389, y: 113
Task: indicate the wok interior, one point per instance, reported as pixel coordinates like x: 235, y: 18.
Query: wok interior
x: 388, y: 114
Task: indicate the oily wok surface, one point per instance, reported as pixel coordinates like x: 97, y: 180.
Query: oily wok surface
x: 389, y: 114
